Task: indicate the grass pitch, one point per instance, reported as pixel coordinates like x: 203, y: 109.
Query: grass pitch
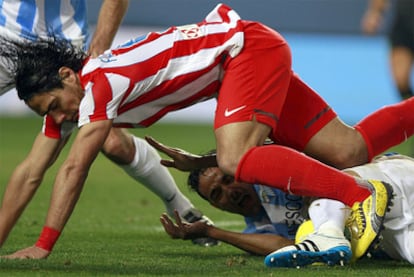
x: 115, y: 228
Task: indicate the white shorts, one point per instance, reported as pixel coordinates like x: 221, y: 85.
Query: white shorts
x: 398, y: 171
x: 5, y: 74
x: 5, y: 78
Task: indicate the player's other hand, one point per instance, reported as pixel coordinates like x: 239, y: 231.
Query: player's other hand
x: 183, y: 230
x: 32, y: 252
x: 181, y: 159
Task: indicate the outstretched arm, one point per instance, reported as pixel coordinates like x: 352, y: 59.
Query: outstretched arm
x: 110, y: 17
x: 259, y: 244
x: 25, y: 180
x: 67, y: 187
x: 181, y: 159
x: 373, y: 16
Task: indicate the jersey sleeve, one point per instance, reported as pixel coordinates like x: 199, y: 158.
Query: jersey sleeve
x: 225, y: 15
x: 259, y: 225
x: 103, y: 97
x: 56, y: 131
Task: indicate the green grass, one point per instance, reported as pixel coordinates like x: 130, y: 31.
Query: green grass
x: 115, y: 229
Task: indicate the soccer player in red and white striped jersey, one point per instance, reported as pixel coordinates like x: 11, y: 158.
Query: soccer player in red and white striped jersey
x: 67, y: 19
x: 139, y: 82
x: 247, y: 66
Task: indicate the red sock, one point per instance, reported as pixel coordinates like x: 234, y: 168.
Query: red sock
x: 291, y: 171
x: 387, y: 127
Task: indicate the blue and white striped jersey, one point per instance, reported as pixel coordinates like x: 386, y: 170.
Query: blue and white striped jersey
x: 31, y: 19
x: 282, y: 213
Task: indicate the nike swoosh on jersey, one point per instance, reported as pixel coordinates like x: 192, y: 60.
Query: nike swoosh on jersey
x: 228, y: 112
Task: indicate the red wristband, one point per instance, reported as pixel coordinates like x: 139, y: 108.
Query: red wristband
x: 47, y: 238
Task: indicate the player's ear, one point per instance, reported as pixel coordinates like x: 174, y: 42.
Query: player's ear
x: 66, y: 74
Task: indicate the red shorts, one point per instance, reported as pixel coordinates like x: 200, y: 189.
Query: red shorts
x: 259, y: 84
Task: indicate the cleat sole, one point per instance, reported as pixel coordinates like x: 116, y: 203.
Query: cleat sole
x: 340, y: 255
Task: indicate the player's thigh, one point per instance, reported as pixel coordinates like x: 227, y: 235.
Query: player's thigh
x: 304, y: 114
x: 338, y: 144
x: 255, y: 82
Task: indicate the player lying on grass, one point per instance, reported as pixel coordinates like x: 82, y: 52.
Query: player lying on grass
x: 272, y: 217
x: 247, y: 66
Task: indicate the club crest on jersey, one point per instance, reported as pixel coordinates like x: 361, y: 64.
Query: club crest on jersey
x: 266, y: 193
x: 191, y: 31
x: 107, y: 57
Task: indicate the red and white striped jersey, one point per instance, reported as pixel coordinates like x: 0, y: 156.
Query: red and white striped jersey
x: 140, y: 81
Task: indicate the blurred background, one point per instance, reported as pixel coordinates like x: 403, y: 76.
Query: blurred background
x: 330, y: 53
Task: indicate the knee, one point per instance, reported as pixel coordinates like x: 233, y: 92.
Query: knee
x: 119, y: 148
x: 341, y: 159
x: 339, y: 146
x: 227, y: 163
x: 348, y: 157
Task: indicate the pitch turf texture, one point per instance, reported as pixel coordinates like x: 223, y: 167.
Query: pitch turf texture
x: 115, y: 228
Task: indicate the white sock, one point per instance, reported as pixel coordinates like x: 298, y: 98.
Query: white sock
x: 146, y: 169
x: 328, y: 216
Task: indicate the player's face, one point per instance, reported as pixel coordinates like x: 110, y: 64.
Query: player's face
x: 62, y: 104
x: 58, y: 104
x: 224, y: 193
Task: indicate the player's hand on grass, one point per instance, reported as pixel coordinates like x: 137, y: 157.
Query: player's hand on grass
x: 181, y: 159
x: 183, y: 230
x: 32, y: 252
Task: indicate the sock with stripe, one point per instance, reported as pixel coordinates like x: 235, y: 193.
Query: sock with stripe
x: 294, y: 172
x: 147, y: 170
x: 387, y: 127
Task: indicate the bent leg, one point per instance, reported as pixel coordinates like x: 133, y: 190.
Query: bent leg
x: 291, y: 171
x: 308, y: 124
x: 147, y: 169
x: 239, y: 153
x: 140, y: 161
x: 338, y: 144
x: 342, y: 146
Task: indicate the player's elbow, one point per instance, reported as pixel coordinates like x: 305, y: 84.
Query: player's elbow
x: 227, y: 164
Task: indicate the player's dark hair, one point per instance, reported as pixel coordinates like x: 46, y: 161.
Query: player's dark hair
x: 193, y: 180
x: 35, y: 65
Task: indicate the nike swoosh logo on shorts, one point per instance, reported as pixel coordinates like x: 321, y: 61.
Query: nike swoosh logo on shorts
x: 228, y: 112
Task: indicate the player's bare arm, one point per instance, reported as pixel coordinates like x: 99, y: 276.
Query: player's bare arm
x: 183, y: 230
x: 181, y: 159
x: 73, y: 172
x: 373, y: 16
x: 25, y: 180
x: 69, y: 182
x: 258, y: 244
x: 110, y: 17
